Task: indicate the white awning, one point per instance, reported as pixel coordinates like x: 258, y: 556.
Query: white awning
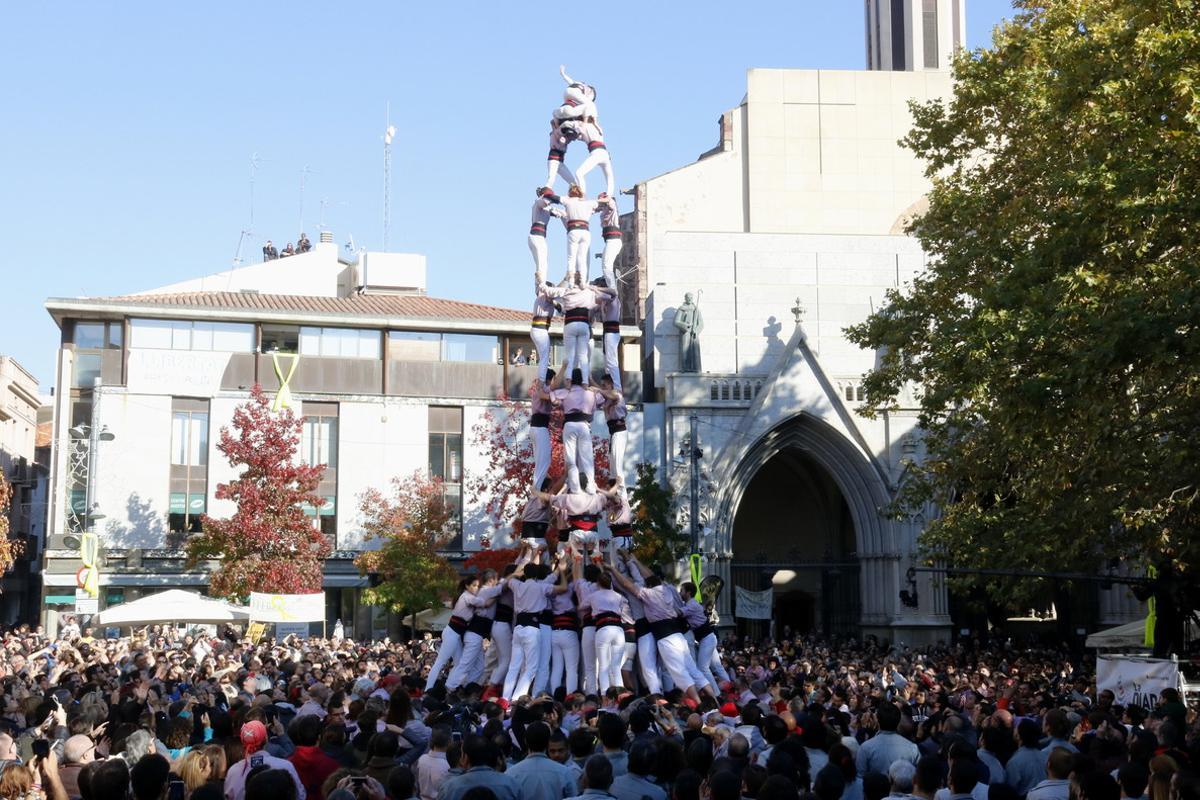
x: 174, y: 605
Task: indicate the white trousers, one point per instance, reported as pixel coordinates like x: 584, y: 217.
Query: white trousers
x: 693, y: 669
x: 578, y: 455
x: 648, y: 660
x: 579, y: 244
x: 707, y: 651
x: 565, y: 660
x: 588, y: 643
x: 502, y: 644
x: 673, y: 653
x: 630, y: 657
x: 612, y: 249
x: 596, y: 158
x: 558, y: 169
x: 468, y: 662
x: 541, y: 345
x: 610, y: 655
x: 541, y: 455
x: 616, y: 456
x: 539, y: 250
x: 612, y: 363
x: 524, y: 661
x: 577, y: 337
x: 450, y: 650
x: 545, y: 647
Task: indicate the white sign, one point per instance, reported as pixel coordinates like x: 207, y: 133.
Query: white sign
x: 753, y: 605
x: 1136, y: 681
x: 157, y: 371
x: 287, y: 607
x: 286, y: 629
x: 85, y: 604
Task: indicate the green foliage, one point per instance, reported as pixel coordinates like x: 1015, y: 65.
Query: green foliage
x: 658, y: 540
x: 410, y: 525
x: 1053, y: 338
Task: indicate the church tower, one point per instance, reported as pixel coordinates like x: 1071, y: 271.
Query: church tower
x: 907, y: 35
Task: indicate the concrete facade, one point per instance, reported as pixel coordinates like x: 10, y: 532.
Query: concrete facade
x: 26, y: 476
x: 376, y: 357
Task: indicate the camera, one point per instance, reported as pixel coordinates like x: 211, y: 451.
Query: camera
x: 41, y: 748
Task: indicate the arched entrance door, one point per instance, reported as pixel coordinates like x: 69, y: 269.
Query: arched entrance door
x: 793, y: 534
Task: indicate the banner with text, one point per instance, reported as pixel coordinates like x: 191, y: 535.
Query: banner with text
x: 753, y: 605
x: 287, y: 607
x: 1136, y: 681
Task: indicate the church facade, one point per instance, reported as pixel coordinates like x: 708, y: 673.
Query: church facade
x: 777, y: 239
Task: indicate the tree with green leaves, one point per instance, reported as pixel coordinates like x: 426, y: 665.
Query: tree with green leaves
x: 411, y: 524
x: 1053, y: 337
x: 657, y: 539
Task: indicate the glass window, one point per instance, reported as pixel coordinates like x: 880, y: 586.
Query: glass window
x: 929, y: 20
x: 339, y: 342
x: 463, y: 347
x: 318, y: 441
x: 116, y: 334
x: 437, y: 455
x: 185, y: 511
x: 166, y: 334
x: 87, y: 369
x: 89, y: 335
x: 280, y: 339
x: 150, y: 334
x: 189, y: 438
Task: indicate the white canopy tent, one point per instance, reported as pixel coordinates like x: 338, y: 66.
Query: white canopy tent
x: 433, y: 619
x: 1129, y: 637
x: 172, y: 606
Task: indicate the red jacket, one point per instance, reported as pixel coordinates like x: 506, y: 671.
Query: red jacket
x: 313, y: 767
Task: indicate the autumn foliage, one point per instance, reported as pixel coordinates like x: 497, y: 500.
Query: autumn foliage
x: 502, y: 436
x: 409, y: 525
x: 10, y: 549
x: 268, y: 545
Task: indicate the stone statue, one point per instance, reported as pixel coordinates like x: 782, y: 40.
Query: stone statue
x: 690, y: 323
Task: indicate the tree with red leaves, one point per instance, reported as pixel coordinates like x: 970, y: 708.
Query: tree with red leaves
x: 412, y: 524
x: 10, y: 549
x: 269, y: 544
x: 502, y: 435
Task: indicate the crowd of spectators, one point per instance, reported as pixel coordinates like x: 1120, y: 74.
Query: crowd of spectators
x: 302, y: 245
x: 166, y: 715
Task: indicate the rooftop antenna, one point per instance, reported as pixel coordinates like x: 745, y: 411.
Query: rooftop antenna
x: 248, y: 231
x: 389, y: 134
x: 304, y: 173
x: 326, y: 203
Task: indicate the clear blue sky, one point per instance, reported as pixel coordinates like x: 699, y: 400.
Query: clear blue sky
x: 128, y: 127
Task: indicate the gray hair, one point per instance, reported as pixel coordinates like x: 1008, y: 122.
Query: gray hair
x: 901, y: 774
x: 137, y: 744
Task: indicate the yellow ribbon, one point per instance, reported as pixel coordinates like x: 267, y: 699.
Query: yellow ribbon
x: 89, y: 554
x: 277, y: 604
x: 697, y: 574
x: 283, y: 399
x: 1151, y: 612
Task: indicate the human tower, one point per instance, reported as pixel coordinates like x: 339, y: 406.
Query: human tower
x: 587, y: 615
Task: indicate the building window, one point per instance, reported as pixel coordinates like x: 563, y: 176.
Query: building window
x: 185, y: 512
x: 318, y: 442
x: 98, y: 335
x: 929, y: 21
x: 339, y: 342
x: 176, y: 334
x: 461, y: 347
x: 189, y: 438
x: 446, y: 457
x: 189, y: 464
x: 897, y: 28
x: 319, y: 445
x: 280, y: 338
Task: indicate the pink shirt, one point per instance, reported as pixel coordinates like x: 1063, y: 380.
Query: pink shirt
x: 576, y: 505
x: 562, y: 603
x: 577, y: 297
x: 485, y: 595
x: 529, y: 596
x: 578, y: 399
x: 658, y: 602
x: 579, y: 208
x: 615, y: 409
x: 621, y: 514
